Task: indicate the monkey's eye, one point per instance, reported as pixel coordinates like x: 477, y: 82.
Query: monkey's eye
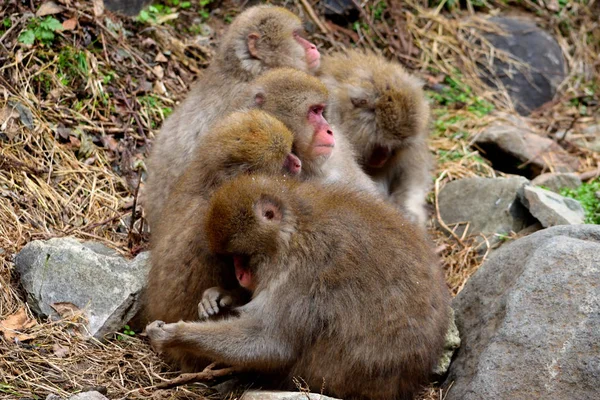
x: 359, y: 103
x: 318, y: 110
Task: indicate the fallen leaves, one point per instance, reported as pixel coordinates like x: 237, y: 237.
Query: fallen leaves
x: 14, y: 324
x: 48, y: 8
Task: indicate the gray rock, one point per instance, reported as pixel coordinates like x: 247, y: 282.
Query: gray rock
x: 91, y: 395
x: 512, y: 147
x: 340, y: 12
x: 529, y: 320
x: 551, y: 208
x: 529, y: 88
x: 273, y: 395
x: 89, y: 275
x: 555, y: 181
x: 490, y: 205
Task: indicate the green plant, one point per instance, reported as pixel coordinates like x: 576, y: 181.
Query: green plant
x: 72, y: 65
x: 588, y: 195
x: 127, y: 332
x: 378, y: 9
x: 456, y: 92
x: 40, y: 30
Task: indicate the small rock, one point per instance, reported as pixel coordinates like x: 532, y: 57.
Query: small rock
x: 341, y: 12
x: 529, y: 320
x: 490, y: 205
x: 556, y: 181
x: 529, y: 88
x: 551, y: 208
x: 512, y: 147
x: 588, y: 138
x: 93, y: 395
x: 88, y: 275
x: 273, y: 395
x: 126, y: 7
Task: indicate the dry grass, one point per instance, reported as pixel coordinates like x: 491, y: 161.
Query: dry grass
x: 98, y: 93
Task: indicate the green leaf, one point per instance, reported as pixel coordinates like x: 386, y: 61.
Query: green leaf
x: 144, y: 16
x: 186, y: 4
x: 44, y: 35
x: 27, y: 37
x: 51, y: 24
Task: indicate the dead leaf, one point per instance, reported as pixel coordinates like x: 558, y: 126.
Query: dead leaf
x: 65, y: 309
x: 60, y: 351
x: 74, y: 141
x: 159, y: 87
x: 8, y: 124
x: 158, y: 71
x: 16, y: 322
x: 98, y: 7
x: 48, y: 8
x: 25, y: 114
x: 69, y: 24
x: 110, y: 142
x: 63, y: 131
x: 160, y: 57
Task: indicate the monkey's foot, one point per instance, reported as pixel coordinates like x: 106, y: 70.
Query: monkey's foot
x: 160, y: 334
x: 213, y: 301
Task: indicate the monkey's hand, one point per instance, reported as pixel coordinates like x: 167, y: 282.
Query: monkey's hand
x: 214, y: 300
x: 160, y: 334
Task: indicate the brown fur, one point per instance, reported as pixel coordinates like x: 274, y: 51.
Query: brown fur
x: 181, y: 266
x: 337, y: 303
x: 377, y: 103
x: 288, y: 95
x: 211, y: 97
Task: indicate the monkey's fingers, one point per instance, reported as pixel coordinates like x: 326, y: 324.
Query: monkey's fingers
x: 207, y: 307
x: 225, y: 301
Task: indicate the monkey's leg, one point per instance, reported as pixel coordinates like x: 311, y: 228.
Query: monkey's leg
x: 242, y: 341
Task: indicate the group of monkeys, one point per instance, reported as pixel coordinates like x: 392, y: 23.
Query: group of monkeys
x: 286, y: 247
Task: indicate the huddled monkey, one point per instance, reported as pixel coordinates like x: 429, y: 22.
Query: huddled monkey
x: 384, y: 112
x: 299, y: 101
x: 335, y: 302
x: 260, y: 38
x: 182, y: 267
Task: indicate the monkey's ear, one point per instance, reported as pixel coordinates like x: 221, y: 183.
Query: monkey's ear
x: 252, y: 39
x: 259, y: 99
x: 360, y: 102
x: 268, y: 209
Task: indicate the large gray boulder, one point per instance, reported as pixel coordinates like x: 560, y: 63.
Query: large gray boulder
x: 274, y: 395
x: 512, y: 147
x: 529, y: 320
x: 534, y: 84
x: 86, y: 274
x: 551, y: 208
x: 490, y: 205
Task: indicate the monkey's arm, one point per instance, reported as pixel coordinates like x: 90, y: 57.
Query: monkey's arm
x: 411, y: 181
x: 243, y: 341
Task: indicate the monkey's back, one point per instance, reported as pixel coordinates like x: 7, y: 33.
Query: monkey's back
x: 380, y: 295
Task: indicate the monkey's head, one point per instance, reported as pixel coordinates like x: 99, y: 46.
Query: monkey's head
x: 247, y: 219
x: 254, y: 141
x: 298, y: 100
x: 383, y: 105
x: 265, y: 37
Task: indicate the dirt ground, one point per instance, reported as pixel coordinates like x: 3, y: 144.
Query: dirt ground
x: 83, y: 92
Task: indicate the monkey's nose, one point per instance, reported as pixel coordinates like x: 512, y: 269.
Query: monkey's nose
x: 329, y: 132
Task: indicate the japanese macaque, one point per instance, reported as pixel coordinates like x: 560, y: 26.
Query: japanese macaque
x: 335, y: 302
x: 260, y: 38
x: 385, y: 115
x: 182, y: 267
x: 299, y: 100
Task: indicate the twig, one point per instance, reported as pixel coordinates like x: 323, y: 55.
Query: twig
x: 437, y: 211
x: 135, y: 198
x: 314, y: 17
x: 589, y: 175
x: 208, y: 374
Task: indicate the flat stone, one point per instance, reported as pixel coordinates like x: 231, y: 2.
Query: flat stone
x: 551, y: 208
x: 529, y: 88
x: 557, y: 181
x: 529, y: 320
x: 490, y: 205
x: 89, y: 275
x: 512, y: 147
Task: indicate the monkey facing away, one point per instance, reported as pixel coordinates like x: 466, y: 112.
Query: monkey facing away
x: 299, y: 100
x: 385, y: 114
x: 181, y: 266
x: 260, y: 38
x: 335, y: 302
